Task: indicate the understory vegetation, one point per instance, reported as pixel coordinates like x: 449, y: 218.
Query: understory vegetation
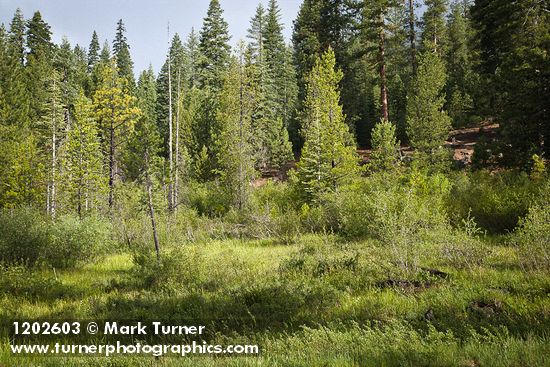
x: 401, y: 281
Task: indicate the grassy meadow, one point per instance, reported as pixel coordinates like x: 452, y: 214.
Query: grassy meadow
x: 439, y: 296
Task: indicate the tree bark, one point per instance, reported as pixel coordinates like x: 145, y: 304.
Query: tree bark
x: 382, y: 69
x: 412, y: 36
x: 177, y: 165
x: 149, y: 186
x: 170, y: 132
x: 111, y: 162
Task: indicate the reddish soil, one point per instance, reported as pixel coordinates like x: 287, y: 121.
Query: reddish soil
x: 461, y: 141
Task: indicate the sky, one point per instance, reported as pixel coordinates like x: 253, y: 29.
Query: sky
x: 146, y: 21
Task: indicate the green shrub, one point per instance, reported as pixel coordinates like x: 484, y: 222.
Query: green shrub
x: 24, y: 236
x: 29, y: 237
x: 76, y: 241
x: 209, y: 198
x: 497, y: 201
x: 533, y: 233
x: 399, y: 211
x: 463, y: 247
x: 177, y: 268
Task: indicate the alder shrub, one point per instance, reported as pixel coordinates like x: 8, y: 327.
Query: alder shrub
x: 533, y: 233
x: 32, y: 238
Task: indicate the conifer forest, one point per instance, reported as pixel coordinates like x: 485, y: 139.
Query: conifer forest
x: 373, y: 190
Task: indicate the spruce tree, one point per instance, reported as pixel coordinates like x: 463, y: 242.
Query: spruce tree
x: 328, y: 156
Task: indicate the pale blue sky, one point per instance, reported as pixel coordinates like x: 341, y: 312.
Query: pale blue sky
x: 146, y: 21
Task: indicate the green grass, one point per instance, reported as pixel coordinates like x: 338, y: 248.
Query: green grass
x: 322, y: 302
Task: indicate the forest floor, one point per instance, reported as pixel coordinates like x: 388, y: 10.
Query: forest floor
x: 461, y: 141
x: 321, y: 302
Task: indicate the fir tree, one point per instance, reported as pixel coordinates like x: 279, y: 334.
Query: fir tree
x: 53, y: 128
x: 121, y: 51
x: 39, y: 63
x: 93, y: 52
x: 233, y: 139
x: 460, y: 66
x: 17, y: 36
x: 193, y: 58
x: 385, y: 147
x: 280, y: 64
x: 214, y: 47
x: 256, y: 35
x: 328, y: 156
x: 428, y: 125
x: 271, y: 142
x: 434, y: 34
x: 375, y: 18
x: 513, y: 38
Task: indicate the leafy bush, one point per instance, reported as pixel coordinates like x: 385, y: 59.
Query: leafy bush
x: 533, y: 233
x: 24, y: 236
x: 29, y: 237
x: 463, y: 248
x: 496, y: 201
x: 177, y: 268
x: 381, y: 206
x: 209, y: 199
x: 74, y: 241
x: 397, y: 210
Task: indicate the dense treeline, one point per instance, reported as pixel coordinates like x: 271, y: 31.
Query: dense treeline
x: 77, y: 126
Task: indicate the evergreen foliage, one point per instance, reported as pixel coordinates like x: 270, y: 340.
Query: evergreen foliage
x: 328, y: 156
